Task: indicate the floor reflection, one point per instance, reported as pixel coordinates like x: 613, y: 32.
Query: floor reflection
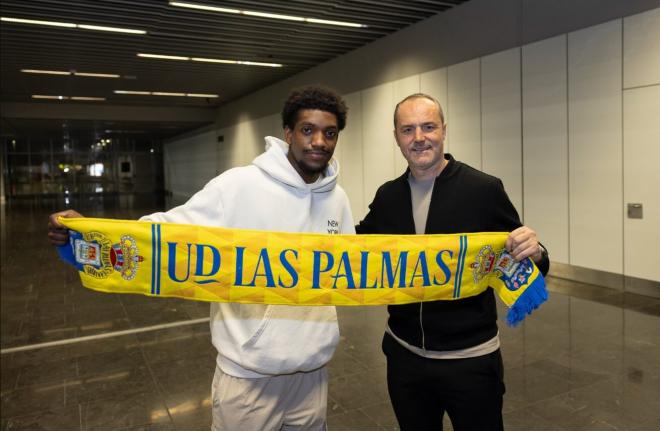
x: 587, y: 360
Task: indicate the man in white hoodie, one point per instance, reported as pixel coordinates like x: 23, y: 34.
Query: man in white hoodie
x: 270, y: 372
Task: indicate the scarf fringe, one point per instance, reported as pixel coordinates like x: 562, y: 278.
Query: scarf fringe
x: 535, y: 295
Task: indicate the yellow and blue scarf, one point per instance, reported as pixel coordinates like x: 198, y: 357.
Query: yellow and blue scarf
x: 260, y: 267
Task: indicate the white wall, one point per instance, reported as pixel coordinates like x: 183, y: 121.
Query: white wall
x: 641, y: 142
x: 545, y: 143
x: 378, y: 149
x: 349, y: 154
x: 595, y: 147
x: 435, y: 83
x: 501, y: 128
x: 641, y: 56
x: 245, y: 140
x: 463, y: 112
x: 641, y: 137
x: 569, y: 123
x: 190, y: 163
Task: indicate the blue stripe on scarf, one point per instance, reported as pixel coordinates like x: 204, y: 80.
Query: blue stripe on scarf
x: 158, y: 250
x: 461, y: 264
x: 153, y: 258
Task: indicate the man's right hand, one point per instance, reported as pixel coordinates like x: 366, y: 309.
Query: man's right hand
x: 58, y: 234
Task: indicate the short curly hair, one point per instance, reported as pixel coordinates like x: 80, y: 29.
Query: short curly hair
x: 313, y: 97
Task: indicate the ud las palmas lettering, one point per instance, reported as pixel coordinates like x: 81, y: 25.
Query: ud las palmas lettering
x: 250, y: 266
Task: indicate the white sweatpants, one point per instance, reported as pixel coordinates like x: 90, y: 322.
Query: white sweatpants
x: 278, y: 403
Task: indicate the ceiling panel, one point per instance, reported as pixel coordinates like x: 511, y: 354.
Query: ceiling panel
x: 184, y: 32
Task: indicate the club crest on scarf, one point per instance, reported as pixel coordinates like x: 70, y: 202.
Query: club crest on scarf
x: 513, y: 274
x: 95, y: 254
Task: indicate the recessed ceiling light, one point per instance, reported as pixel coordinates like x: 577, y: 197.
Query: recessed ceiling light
x: 214, y: 60
x: 332, y: 22
x: 205, y: 7
x: 113, y: 29
x: 73, y: 25
x: 144, y: 93
x: 47, y: 72
x: 165, y: 93
x: 86, y: 98
x: 209, y: 60
x: 96, y: 75
x: 273, y: 15
x: 266, y: 14
x: 257, y: 63
x: 245, y: 63
x: 163, y: 57
x: 70, y: 72
x: 38, y: 22
x: 208, y: 96
x: 44, y: 96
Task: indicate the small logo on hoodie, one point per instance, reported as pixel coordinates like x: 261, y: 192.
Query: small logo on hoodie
x: 333, y: 226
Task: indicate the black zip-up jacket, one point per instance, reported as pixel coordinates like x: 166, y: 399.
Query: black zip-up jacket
x: 463, y: 200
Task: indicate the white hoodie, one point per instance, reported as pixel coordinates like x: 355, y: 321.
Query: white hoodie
x: 263, y: 340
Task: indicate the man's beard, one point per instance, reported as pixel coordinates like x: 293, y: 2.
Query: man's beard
x: 311, y: 170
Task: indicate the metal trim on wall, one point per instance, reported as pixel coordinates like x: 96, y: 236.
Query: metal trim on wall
x: 642, y: 286
x: 606, y: 279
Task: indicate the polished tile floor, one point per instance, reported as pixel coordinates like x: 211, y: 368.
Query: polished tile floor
x: 589, y: 359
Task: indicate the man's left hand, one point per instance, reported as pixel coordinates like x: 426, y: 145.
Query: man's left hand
x: 522, y: 243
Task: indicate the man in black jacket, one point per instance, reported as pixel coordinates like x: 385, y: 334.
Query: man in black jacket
x: 444, y: 356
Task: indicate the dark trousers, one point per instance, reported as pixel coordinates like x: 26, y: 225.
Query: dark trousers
x: 470, y: 390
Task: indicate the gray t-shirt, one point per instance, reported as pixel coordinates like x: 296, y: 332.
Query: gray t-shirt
x: 420, y: 192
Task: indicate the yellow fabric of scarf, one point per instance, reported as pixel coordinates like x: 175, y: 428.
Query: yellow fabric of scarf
x: 249, y: 266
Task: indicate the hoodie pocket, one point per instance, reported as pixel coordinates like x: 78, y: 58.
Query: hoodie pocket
x: 260, y: 329
x: 292, y: 339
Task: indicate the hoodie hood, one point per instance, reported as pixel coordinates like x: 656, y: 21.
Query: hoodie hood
x: 274, y: 162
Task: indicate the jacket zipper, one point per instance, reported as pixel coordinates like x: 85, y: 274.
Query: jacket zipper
x: 421, y: 325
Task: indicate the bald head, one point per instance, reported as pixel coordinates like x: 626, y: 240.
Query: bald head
x: 419, y: 96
